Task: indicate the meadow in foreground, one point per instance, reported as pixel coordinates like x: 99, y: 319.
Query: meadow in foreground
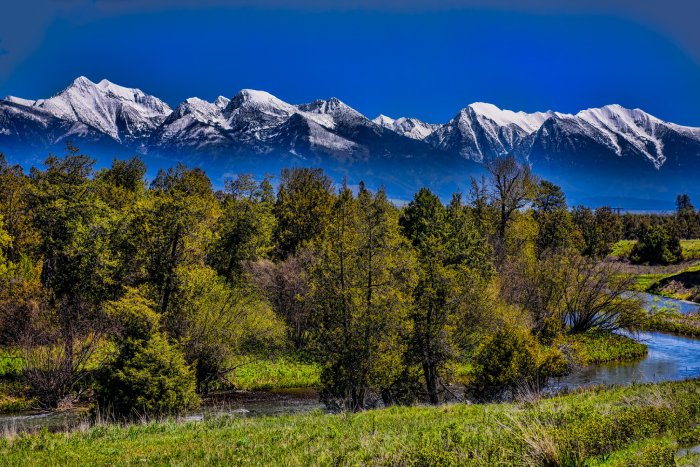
x: 637, y: 425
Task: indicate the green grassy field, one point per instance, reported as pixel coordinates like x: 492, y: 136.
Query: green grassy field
x: 623, y: 248
x: 599, y: 347
x: 275, y: 374
x: 10, y: 363
x: 646, y: 282
x: 675, y: 323
x: 691, y: 249
x: 286, y: 372
x: 592, y: 426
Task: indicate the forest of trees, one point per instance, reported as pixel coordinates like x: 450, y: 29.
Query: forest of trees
x: 139, y: 295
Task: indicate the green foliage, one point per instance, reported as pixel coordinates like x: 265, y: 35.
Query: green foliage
x: 253, y: 374
x: 669, y: 320
x: 216, y: 321
x: 148, y: 375
x: 600, y: 230
x: 556, y: 228
x: 598, y: 347
x: 657, y: 246
x: 691, y: 249
x: 5, y: 244
x: 244, y: 231
x: 618, y: 424
x: 133, y: 317
x: 512, y: 360
x: 303, y: 208
x: 145, y: 379
x: 451, y: 286
x: 175, y: 227
x: 623, y: 248
x: 361, y: 288
x: 11, y: 364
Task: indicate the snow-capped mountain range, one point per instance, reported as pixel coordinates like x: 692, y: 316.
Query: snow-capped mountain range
x: 253, y: 123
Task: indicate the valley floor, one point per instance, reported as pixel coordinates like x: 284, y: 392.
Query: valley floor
x: 636, y: 425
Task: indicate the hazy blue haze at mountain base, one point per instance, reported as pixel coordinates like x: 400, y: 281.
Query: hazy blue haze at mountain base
x: 607, y: 155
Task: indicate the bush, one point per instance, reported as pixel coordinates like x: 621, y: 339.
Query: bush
x: 148, y: 378
x: 148, y: 375
x: 513, y: 360
x: 657, y: 246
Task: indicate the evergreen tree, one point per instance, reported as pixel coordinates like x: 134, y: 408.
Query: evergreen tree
x: 556, y: 230
x: 304, y: 201
x: 244, y: 230
x: 361, y: 291
x: 448, y: 275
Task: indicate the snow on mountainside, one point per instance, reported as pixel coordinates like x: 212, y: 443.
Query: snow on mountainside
x: 410, y: 127
x: 609, y: 139
x: 122, y: 113
x: 636, y: 127
x: 482, y: 131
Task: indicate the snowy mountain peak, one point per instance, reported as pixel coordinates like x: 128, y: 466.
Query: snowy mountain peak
x: 221, y: 102
x: 81, y: 81
x: 529, y: 122
x: 112, y: 109
x: 410, y: 127
x: 260, y: 101
x: 331, y: 112
x: 256, y: 122
x: 20, y: 101
x: 328, y: 106
x: 383, y: 120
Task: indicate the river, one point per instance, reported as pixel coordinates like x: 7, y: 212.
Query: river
x: 670, y: 358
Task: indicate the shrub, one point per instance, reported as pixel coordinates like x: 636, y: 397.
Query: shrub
x: 148, y: 378
x: 657, y: 246
x: 148, y: 375
x: 513, y: 360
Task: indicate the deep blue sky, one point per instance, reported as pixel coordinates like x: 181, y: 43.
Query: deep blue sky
x: 423, y: 62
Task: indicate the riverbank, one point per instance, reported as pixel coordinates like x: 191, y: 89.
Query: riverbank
x: 580, y: 427
x: 675, y: 323
x: 592, y: 348
x: 261, y: 377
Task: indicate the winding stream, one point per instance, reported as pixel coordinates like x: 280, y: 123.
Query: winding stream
x: 683, y: 306
x: 670, y: 358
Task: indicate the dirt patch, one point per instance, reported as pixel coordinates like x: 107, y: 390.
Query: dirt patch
x: 685, y: 284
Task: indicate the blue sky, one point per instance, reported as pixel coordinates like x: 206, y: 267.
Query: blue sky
x: 416, y: 60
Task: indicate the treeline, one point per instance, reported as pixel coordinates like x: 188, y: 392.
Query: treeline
x: 140, y: 296
x: 684, y: 223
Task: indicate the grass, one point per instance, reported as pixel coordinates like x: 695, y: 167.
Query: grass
x: 573, y: 429
x: 599, y: 347
x: 651, y: 283
x: 623, y: 248
x: 644, y: 282
x: 672, y: 322
x: 9, y: 403
x: 11, y: 390
x: 654, y: 452
x: 10, y: 363
x: 690, y: 248
x: 280, y: 373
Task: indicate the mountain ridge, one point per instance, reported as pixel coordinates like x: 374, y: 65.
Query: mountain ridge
x: 594, y: 142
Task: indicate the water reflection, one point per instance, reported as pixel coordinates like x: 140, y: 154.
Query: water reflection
x: 655, y: 301
x: 670, y: 358
x: 235, y: 403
